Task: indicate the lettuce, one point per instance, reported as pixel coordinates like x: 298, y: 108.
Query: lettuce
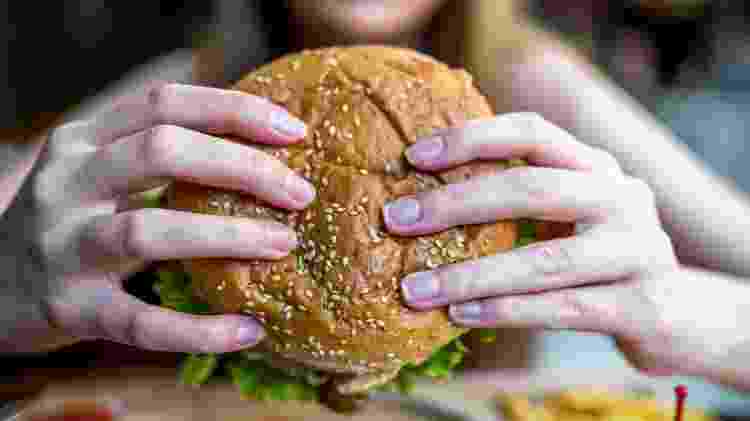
x: 255, y: 379
x: 174, y: 291
x: 526, y: 232
x: 196, y: 369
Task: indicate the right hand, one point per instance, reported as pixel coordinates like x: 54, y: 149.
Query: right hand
x: 85, y: 240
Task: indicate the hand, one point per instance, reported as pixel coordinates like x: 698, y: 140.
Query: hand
x: 618, y: 274
x: 86, y: 239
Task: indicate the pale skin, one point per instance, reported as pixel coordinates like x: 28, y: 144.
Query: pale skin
x: 623, y: 273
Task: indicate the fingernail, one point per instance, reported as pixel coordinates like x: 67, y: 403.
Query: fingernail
x: 287, y: 125
x: 403, y: 211
x: 470, y: 312
x: 248, y: 333
x: 420, y: 286
x: 301, y: 191
x: 425, y: 150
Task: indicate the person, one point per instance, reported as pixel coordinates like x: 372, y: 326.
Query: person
x: 658, y: 259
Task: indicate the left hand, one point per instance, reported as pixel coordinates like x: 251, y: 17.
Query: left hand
x: 599, y: 279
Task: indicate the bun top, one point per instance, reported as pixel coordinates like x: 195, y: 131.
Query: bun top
x: 334, y: 304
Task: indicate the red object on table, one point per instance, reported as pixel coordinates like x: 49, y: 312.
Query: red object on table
x: 681, y: 393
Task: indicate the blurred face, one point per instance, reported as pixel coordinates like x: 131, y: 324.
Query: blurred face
x: 365, y: 20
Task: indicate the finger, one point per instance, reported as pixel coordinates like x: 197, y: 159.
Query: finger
x: 594, y: 257
x: 518, y: 135
x: 69, y: 138
x: 160, y: 234
x: 593, y: 309
x: 212, y: 110
x: 524, y: 192
x: 150, y: 157
x: 110, y: 313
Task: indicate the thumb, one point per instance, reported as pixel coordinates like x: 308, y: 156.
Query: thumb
x: 110, y: 313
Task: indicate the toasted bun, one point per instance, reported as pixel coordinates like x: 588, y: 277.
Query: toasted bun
x: 335, y: 303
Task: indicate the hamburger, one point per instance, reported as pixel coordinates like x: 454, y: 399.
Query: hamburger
x: 336, y: 324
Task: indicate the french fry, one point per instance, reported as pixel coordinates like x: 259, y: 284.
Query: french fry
x: 590, y: 404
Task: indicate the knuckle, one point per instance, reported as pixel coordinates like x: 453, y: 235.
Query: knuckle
x: 265, y: 232
x: 60, y: 138
x: 503, y: 309
x: 134, y: 242
x: 158, y: 99
x: 549, y: 258
x: 530, y: 124
x: 450, y: 194
x: 526, y: 183
x: 43, y: 188
x: 134, y: 332
x: 156, y: 146
x: 575, y: 309
x: 464, y: 280
x: 265, y: 168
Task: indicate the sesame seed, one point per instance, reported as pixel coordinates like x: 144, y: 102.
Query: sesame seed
x: 391, y: 355
x: 276, y: 277
x: 363, y: 171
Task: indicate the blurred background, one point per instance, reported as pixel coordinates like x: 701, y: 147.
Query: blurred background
x: 688, y: 61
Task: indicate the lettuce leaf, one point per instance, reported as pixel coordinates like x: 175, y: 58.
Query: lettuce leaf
x: 526, y: 232
x: 255, y: 379
x: 175, y: 292
x: 196, y: 369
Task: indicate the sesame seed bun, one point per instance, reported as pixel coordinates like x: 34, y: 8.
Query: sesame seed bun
x: 334, y: 304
